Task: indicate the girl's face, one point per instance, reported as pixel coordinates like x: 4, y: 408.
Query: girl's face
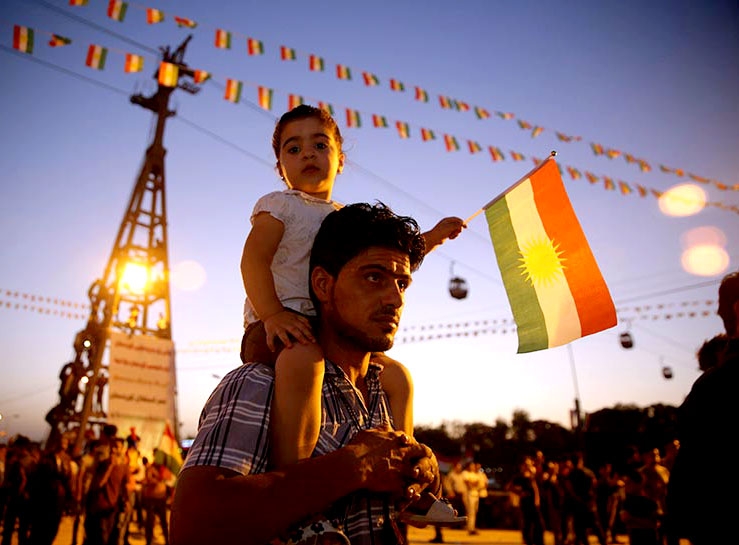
x: 310, y: 157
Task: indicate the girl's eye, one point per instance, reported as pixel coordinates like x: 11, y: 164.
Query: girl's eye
x: 293, y: 149
x: 321, y: 145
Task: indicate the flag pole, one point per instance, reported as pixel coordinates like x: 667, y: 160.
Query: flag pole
x: 521, y: 180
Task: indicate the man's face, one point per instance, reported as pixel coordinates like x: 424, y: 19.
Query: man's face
x: 362, y: 306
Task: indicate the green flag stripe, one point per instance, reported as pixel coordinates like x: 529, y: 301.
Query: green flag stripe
x: 527, y: 313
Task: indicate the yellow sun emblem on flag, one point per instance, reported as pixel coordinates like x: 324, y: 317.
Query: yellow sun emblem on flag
x: 541, y: 262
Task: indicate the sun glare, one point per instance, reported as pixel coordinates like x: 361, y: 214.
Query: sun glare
x: 134, y: 278
x: 188, y: 275
x: 540, y: 262
x: 705, y: 260
x: 682, y: 200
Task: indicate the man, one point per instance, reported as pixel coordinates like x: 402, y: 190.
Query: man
x: 701, y: 495
x: 360, y: 267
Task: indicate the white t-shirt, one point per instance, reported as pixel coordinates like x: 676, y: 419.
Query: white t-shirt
x: 301, y: 214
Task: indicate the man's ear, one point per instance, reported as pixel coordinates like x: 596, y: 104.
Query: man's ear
x: 321, y: 282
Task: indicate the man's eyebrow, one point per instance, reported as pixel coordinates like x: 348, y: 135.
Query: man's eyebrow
x: 377, y: 266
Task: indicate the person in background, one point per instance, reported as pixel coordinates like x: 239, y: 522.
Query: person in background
x: 471, y: 475
x: 639, y: 513
x: 278, y: 310
x: 524, y: 485
x: 701, y: 495
x: 581, y: 491
x: 154, y: 494
x: 552, y: 500
x: 608, y: 495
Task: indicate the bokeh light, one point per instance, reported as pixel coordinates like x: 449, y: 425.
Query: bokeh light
x: 705, y: 260
x: 188, y: 275
x: 682, y: 200
x: 707, y: 234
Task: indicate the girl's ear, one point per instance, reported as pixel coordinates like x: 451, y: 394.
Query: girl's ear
x: 341, y: 163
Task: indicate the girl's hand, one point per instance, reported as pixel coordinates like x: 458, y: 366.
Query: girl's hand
x: 287, y: 326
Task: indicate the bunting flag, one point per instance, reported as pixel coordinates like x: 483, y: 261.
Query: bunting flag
x: 496, y: 154
x: 370, y: 80
x: 517, y: 156
x: 624, y: 188
x: 134, y: 63
x: 427, y: 134
x: 59, y: 41
x: 352, y: 118
x: 326, y: 106
x: 233, y: 90
x: 293, y: 101
x: 473, y: 146
x: 505, y: 115
x: 154, y: 16
x: 223, y: 39
x: 444, y: 102
x: 421, y: 95
x: 117, y: 10
x: 168, y: 74
x: 563, y: 137
x: 592, y: 178
x: 524, y: 124
x: 536, y: 131
x: 462, y: 106
x: 597, y: 148
x: 315, y: 63
x: 481, y: 113
x: 254, y: 46
x: 287, y: 53
x: 379, y: 121
x: 643, y: 192
x: 343, y: 72
x: 77, y: 2
x: 612, y: 153
x: 396, y: 85
x: 264, y: 97
x: 200, y: 76
x: 451, y: 143
x: 404, y: 130
x: 608, y: 184
x: 184, y: 22
x: 23, y: 39
x: 168, y: 453
x: 96, y: 57
x: 644, y: 166
x: 555, y: 289
x: 574, y: 173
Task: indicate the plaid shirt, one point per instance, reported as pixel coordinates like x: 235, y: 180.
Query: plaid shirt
x: 233, y: 434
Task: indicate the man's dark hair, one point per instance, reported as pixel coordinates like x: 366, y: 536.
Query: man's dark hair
x: 711, y: 351
x: 728, y: 295
x: 347, y: 232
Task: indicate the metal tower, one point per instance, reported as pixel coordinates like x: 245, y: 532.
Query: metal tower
x: 140, y: 248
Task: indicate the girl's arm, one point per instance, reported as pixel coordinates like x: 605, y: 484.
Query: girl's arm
x: 256, y: 261
x: 447, y: 228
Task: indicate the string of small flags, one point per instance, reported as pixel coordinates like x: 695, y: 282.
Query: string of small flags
x: 168, y: 75
x: 223, y: 39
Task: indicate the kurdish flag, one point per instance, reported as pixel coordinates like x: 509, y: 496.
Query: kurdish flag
x: 254, y: 46
x: 233, y: 90
x: 379, y: 121
x: 473, y: 146
x: 293, y: 101
x: 427, y: 134
x: 200, y: 76
x: 481, y: 113
x: 404, y: 130
x: 117, y: 10
x: 326, y: 106
x: 154, y: 16
x: 352, y: 118
x: 58, y: 41
x: 168, y: 74
x: 168, y: 453
x: 343, y: 72
x: 77, y: 2
x: 421, y: 95
x: 315, y: 63
x: 287, y: 53
x: 134, y: 63
x: 495, y: 154
x: 556, y: 291
x: 184, y: 22
x: 370, y: 80
x: 451, y: 143
x: 222, y: 39
x: 23, y: 39
x: 265, y: 97
x: 96, y: 55
x: 396, y: 85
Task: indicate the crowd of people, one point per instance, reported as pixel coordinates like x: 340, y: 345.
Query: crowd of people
x: 109, y: 491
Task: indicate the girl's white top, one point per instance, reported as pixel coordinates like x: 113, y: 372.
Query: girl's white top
x: 301, y: 214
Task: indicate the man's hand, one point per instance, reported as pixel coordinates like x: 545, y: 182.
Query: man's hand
x: 391, y: 461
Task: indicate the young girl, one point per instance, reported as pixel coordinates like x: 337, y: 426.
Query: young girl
x: 274, y: 266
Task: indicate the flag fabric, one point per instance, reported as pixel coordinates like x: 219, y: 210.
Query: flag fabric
x: 554, y: 286
x: 608, y: 183
x: 326, y: 106
x: 370, y: 80
x: 624, y: 188
x: 185, y: 22
x: 134, y: 63
x: 427, y: 134
x: 77, y: 2
x: 517, y: 156
x: 96, y: 56
x: 233, y: 90
x: 168, y: 74
x: 154, y: 16
x: 168, y: 453
x: 462, y: 106
x: 612, y: 153
x: 536, y: 131
x: 315, y: 63
x: 496, y: 154
x: 403, y: 130
x: 287, y: 53
x: 58, y: 41
x: 352, y: 118
x: 473, y: 146
x: 23, y: 39
x: 444, y: 102
x: 481, y: 113
x: 379, y: 121
x: 396, y: 85
x: 343, y: 72
x: 525, y: 125
x: 505, y: 115
x: 254, y: 46
x: 200, y: 76
x: 421, y: 95
x: 592, y: 178
x: 574, y: 173
x: 644, y: 166
x: 117, y: 10
x: 597, y: 148
x: 223, y: 39
x: 265, y: 97
x: 451, y: 143
x: 293, y: 101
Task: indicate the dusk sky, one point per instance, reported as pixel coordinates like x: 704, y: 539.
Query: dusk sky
x: 655, y: 82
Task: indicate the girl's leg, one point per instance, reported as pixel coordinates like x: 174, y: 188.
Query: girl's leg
x: 296, y: 407
x: 398, y: 385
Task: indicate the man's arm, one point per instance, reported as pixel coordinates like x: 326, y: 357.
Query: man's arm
x: 216, y: 505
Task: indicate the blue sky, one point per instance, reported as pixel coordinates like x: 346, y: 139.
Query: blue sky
x: 657, y: 80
